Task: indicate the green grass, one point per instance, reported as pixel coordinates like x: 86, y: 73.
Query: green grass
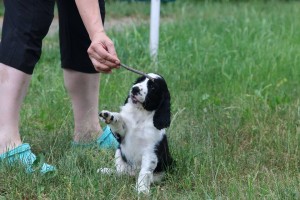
x: 233, y: 72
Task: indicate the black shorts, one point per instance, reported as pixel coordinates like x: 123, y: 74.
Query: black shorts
x: 26, y: 23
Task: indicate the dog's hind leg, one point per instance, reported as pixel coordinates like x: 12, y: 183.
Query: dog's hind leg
x: 123, y: 167
x: 106, y: 171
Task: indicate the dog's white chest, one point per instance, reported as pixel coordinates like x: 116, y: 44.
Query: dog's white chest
x: 140, y: 135
x: 136, y: 119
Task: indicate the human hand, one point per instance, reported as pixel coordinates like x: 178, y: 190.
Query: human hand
x: 102, y: 53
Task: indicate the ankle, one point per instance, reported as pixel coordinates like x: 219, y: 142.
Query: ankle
x: 5, y: 147
x: 86, y: 136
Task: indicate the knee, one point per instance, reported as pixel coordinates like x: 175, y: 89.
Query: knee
x: 71, y: 80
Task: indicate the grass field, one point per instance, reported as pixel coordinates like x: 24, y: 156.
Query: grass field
x: 233, y: 73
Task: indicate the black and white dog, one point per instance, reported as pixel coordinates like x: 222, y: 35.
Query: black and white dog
x: 140, y: 129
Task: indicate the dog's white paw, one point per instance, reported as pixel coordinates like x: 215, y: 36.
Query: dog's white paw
x: 143, y: 184
x: 105, y: 171
x: 106, y: 116
x: 143, y: 189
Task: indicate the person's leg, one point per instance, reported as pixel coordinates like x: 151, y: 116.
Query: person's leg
x: 13, y: 87
x: 20, y: 49
x: 81, y: 78
x: 83, y: 89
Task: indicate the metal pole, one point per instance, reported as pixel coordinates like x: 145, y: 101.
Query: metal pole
x: 154, y: 28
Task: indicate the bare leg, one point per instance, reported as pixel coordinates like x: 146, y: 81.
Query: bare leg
x: 13, y: 88
x: 83, y: 89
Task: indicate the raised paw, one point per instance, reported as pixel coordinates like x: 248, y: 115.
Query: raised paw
x: 106, y: 116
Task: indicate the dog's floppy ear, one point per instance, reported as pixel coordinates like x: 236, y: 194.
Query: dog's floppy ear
x: 162, y: 116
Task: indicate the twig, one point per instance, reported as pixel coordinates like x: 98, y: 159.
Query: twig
x: 136, y: 71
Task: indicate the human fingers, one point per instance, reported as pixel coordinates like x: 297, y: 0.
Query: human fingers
x: 101, y: 58
x: 99, y: 67
x: 99, y: 52
x: 111, y: 49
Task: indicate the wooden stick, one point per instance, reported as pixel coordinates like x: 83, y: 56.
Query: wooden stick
x: 136, y: 71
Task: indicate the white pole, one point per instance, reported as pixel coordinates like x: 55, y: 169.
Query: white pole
x: 154, y: 28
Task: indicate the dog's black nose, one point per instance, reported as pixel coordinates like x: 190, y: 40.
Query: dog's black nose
x: 135, y: 90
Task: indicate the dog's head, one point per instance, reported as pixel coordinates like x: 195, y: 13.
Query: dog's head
x: 152, y: 95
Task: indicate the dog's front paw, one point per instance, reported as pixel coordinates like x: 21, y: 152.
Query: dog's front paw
x: 143, y: 183
x: 142, y: 189
x: 106, y: 116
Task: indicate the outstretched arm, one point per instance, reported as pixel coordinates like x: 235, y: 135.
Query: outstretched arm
x: 101, y: 51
